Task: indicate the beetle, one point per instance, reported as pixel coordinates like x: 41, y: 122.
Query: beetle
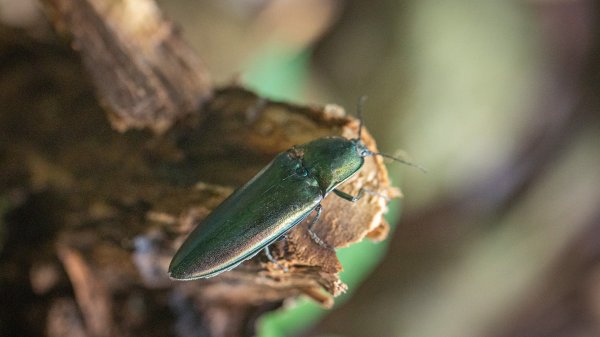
x: 279, y: 197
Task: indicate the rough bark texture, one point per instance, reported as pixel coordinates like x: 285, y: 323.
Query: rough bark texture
x: 145, y: 74
x: 92, y: 217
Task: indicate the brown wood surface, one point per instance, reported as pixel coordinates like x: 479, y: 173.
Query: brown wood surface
x: 94, y: 215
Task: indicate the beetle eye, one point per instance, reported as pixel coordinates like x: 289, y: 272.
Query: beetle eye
x: 301, y: 171
x: 361, y: 149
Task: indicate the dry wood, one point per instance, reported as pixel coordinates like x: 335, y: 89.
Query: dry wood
x: 145, y: 74
x: 117, y: 205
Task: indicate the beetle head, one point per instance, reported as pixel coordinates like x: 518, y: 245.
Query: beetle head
x: 332, y: 160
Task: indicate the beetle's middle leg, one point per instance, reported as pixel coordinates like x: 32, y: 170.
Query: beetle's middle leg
x: 273, y: 261
x: 286, y: 246
x: 314, y: 235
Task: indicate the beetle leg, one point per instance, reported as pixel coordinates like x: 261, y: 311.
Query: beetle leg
x: 361, y: 193
x: 314, y: 235
x: 349, y: 197
x: 377, y: 194
x: 272, y: 260
x: 284, y: 238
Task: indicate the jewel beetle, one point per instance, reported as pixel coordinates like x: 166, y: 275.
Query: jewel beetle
x: 279, y: 197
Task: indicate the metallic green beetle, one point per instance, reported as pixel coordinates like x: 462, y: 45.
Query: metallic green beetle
x: 262, y: 211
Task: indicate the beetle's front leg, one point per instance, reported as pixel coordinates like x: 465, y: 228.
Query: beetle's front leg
x: 360, y: 194
x: 314, y: 235
x: 350, y: 197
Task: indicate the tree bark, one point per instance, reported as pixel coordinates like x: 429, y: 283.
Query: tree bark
x: 93, y: 216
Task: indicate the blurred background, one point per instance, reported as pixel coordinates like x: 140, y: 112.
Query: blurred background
x: 499, y: 100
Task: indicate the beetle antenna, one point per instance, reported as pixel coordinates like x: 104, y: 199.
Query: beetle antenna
x: 361, y: 102
x: 420, y: 168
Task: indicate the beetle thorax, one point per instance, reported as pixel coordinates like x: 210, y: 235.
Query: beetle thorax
x: 330, y: 160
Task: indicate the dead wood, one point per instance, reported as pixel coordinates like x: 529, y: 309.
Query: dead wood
x: 103, y: 212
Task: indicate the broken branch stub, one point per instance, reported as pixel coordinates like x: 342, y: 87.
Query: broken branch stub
x: 126, y: 231
x: 133, y: 197
x: 234, y: 126
x: 145, y: 74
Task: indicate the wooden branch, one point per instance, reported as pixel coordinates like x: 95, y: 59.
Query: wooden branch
x: 145, y: 74
x: 199, y: 156
x: 127, y: 200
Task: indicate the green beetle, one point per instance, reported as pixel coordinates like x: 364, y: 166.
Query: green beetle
x: 262, y: 211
